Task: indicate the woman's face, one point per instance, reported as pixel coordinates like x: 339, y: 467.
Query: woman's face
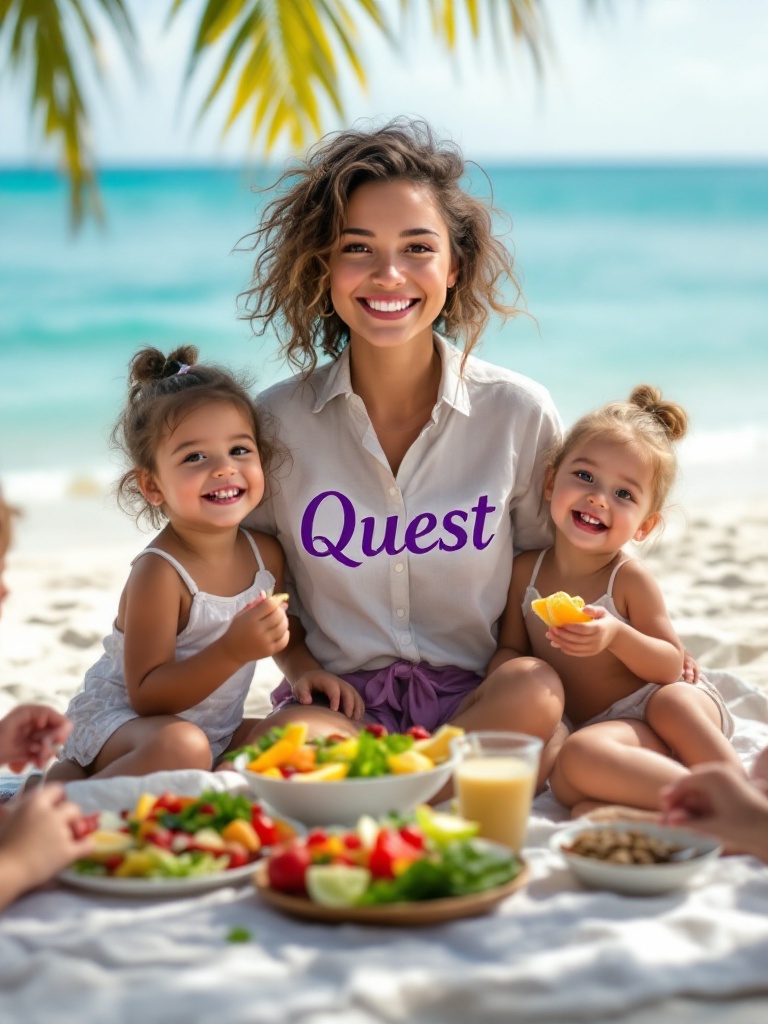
x: 392, y: 267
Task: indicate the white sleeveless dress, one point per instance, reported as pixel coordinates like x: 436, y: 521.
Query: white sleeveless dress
x: 103, y: 706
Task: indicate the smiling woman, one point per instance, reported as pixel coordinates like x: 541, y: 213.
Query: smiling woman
x: 416, y: 469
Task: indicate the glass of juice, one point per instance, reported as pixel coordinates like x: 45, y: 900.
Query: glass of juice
x: 495, y: 779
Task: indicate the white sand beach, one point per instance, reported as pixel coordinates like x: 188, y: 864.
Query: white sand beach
x: 70, y: 560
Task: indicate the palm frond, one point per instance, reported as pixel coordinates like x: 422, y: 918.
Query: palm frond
x: 283, y: 59
x: 40, y: 34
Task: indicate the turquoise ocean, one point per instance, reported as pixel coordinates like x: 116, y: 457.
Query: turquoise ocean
x: 630, y: 274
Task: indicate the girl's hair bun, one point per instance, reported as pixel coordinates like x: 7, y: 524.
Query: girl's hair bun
x: 672, y: 417
x: 149, y: 364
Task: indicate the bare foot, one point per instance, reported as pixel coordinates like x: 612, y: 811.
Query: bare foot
x: 593, y: 810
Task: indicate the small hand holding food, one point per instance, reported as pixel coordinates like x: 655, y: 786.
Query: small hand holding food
x: 260, y: 629
x: 341, y: 695
x: 30, y: 734
x: 586, y: 638
x: 40, y: 834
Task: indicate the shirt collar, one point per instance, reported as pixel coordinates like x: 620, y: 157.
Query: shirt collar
x: 453, y: 388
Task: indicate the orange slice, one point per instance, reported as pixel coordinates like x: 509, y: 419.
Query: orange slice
x: 560, y: 609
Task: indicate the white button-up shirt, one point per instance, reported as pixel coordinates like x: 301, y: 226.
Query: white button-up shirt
x: 414, y: 566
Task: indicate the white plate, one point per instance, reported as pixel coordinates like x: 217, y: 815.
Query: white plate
x: 345, y: 801
x: 152, y: 887
x: 636, y: 879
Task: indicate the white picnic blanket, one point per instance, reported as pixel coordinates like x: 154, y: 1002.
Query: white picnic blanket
x: 552, y: 951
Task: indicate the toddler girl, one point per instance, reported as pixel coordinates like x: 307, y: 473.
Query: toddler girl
x: 197, y: 610
x: 638, y: 726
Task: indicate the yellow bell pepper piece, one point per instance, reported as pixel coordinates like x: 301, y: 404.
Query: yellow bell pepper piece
x: 409, y: 761
x: 279, y: 753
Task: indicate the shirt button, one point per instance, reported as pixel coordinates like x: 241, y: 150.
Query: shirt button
x: 406, y: 638
x: 393, y: 492
x: 399, y: 567
x: 401, y: 613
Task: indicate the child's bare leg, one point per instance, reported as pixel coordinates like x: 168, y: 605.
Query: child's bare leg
x: 65, y: 771
x: 152, y: 744
x: 521, y: 695
x: 688, y: 720
x: 621, y: 762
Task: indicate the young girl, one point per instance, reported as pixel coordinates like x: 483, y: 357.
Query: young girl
x: 638, y: 726
x: 196, y: 612
x: 416, y: 469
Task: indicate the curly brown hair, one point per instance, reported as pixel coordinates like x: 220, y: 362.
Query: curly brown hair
x: 301, y: 227
x: 162, y: 390
x: 646, y: 422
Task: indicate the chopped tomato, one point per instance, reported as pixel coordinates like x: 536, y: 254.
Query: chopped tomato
x: 287, y: 868
x: 419, y: 732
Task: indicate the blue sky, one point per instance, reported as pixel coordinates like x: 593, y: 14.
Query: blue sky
x: 626, y: 80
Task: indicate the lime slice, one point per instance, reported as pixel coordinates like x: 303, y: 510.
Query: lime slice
x: 336, y: 885
x: 443, y: 828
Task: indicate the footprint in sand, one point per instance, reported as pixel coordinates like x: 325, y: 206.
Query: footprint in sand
x: 38, y: 620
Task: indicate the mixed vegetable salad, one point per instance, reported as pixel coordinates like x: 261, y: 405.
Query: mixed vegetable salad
x: 171, y: 836
x: 285, y: 753
x: 427, y: 855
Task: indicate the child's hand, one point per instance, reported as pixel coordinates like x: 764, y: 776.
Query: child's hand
x: 586, y: 639
x: 37, y: 839
x: 341, y: 695
x: 715, y: 800
x: 259, y: 630
x: 30, y: 734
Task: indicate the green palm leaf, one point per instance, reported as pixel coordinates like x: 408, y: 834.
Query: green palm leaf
x: 284, y: 58
x: 43, y: 34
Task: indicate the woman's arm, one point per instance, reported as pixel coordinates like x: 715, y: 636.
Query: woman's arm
x: 513, y: 639
x: 159, y: 684
x: 647, y: 644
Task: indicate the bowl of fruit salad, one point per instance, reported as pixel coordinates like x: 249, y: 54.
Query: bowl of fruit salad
x: 334, y: 780
x: 169, y: 842
x: 420, y: 868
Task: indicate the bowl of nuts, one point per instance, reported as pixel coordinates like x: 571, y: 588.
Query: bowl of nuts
x: 633, y: 858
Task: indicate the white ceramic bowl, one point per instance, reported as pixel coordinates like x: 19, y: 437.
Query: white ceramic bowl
x: 343, y: 802
x: 636, y: 879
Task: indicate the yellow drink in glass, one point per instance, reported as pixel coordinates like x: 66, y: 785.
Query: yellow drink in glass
x: 495, y: 780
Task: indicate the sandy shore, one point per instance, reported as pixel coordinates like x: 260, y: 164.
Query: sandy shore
x: 70, y: 561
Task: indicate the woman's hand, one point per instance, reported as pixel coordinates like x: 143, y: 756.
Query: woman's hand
x: 259, y: 630
x: 341, y: 695
x: 30, y: 734
x: 38, y: 839
x: 586, y: 639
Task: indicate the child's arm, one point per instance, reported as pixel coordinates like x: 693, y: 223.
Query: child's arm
x: 37, y: 840
x: 159, y: 684
x: 29, y: 734
x: 647, y: 645
x: 306, y: 676
x: 513, y: 639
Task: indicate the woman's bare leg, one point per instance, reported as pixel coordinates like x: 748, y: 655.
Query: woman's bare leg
x: 521, y: 695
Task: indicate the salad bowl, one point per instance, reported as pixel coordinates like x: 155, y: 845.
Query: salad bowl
x: 344, y: 801
x: 336, y: 780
